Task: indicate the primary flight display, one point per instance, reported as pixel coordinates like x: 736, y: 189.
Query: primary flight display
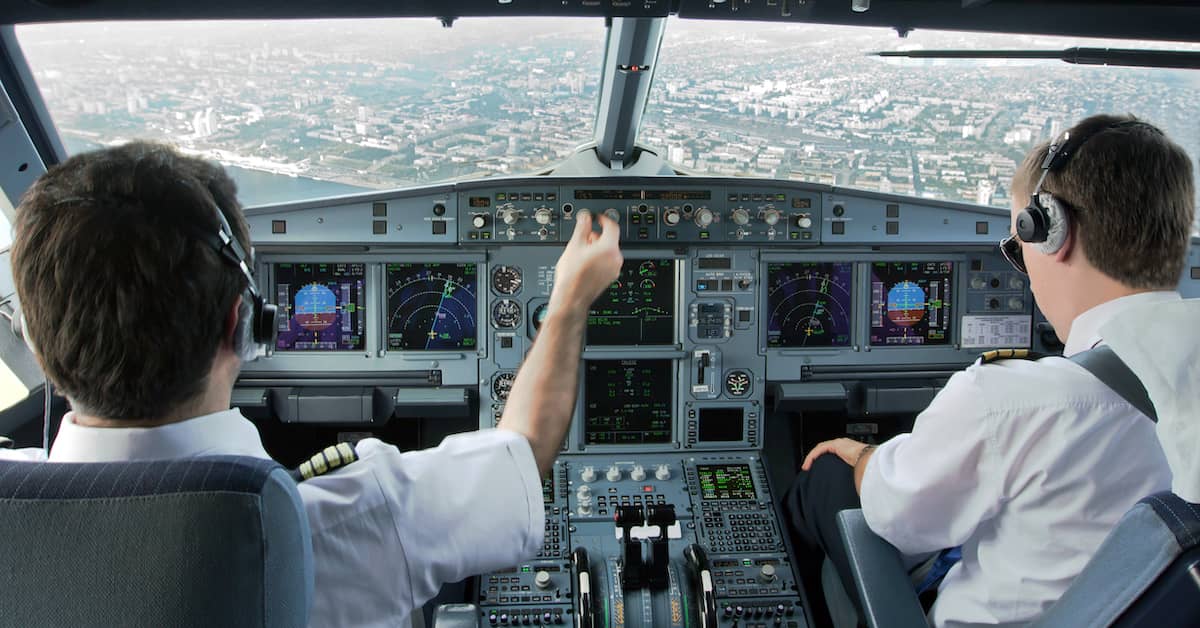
x: 323, y: 306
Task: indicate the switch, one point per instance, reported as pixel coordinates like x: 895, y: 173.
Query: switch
x: 613, y: 474
x: 838, y: 227
x: 588, y: 474
x: 542, y: 580
x: 439, y: 227
x: 638, y: 473
x: 379, y: 227
x: 662, y: 473
x: 767, y: 573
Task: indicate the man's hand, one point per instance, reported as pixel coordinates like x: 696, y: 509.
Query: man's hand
x: 587, y: 267
x: 847, y: 449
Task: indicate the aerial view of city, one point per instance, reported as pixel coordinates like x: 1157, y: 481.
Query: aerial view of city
x: 305, y: 108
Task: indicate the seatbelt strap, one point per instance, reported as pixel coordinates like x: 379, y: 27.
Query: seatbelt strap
x: 1103, y: 362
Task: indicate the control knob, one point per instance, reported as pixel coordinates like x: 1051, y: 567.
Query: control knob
x: 613, y: 214
x: 662, y: 473
x: 511, y: 233
x: 543, y: 215
x: 671, y: 217
x: 588, y: 474
x: 766, y: 573
x: 1016, y: 283
x: 740, y: 216
x: 1016, y: 303
x: 584, y: 491
x: 585, y: 506
x: 704, y: 217
x: 542, y: 580
x: 771, y: 217
x: 509, y: 215
x: 804, y: 221
x: 479, y: 221
x: 638, y: 473
x: 978, y: 283
x: 613, y: 474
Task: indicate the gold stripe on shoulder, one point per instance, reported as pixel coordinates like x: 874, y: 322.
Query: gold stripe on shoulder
x: 326, y: 460
x: 996, y: 355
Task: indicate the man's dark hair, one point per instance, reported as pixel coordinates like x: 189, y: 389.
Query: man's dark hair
x: 1130, y: 195
x: 124, y: 303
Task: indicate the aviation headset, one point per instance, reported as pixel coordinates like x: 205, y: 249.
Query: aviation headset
x: 1045, y: 222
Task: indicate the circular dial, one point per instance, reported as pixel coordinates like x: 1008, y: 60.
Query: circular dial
x: 506, y: 279
x: 502, y: 385
x: 506, y: 314
x: 737, y: 383
x: 810, y: 304
x: 539, y: 315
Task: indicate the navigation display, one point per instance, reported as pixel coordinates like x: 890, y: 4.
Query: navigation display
x: 322, y: 306
x: 638, y: 308
x: 725, y: 481
x: 627, y: 401
x: 432, y: 307
x: 810, y: 304
x: 910, y: 303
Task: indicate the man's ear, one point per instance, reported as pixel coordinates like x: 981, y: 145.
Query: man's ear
x: 231, y: 324
x: 1064, y: 254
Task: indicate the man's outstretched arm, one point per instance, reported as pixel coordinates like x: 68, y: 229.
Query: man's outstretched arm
x: 542, y: 399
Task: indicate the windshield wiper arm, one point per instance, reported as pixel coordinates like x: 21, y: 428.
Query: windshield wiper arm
x: 1082, y: 56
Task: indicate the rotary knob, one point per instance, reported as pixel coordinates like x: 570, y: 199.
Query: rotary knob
x: 671, y: 217
x: 613, y: 474
x: 1016, y: 283
x: 1016, y: 303
x: 804, y: 221
x: 704, y: 217
x: 543, y: 215
x: 613, y: 214
x: 542, y: 580
x: 740, y: 216
x: 588, y: 474
x: 978, y: 283
x: 585, y: 506
x: 662, y: 473
x: 479, y: 221
x: 638, y: 473
x: 771, y: 217
x: 584, y: 491
x: 766, y: 573
x: 510, y: 215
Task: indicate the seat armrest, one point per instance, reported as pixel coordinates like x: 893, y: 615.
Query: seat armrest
x: 886, y: 592
x: 456, y: 616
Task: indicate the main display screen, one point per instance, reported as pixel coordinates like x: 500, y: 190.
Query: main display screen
x: 627, y: 401
x: 810, y: 304
x: 638, y: 308
x: 432, y: 307
x: 910, y: 303
x: 322, y: 304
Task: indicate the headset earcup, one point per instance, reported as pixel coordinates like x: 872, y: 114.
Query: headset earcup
x: 243, y: 336
x: 1031, y: 224
x: 1058, y: 225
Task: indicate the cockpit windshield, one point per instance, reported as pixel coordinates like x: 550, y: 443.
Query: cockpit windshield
x: 807, y: 102
x: 302, y: 109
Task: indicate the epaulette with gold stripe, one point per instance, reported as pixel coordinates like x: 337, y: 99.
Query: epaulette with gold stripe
x: 330, y: 458
x: 996, y: 355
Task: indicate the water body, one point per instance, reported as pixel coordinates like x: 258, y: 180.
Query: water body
x: 255, y: 187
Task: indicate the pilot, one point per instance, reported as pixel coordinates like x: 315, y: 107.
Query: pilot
x: 136, y: 321
x: 1027, y: 464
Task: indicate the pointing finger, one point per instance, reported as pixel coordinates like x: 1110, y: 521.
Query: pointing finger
x: 583, y: 226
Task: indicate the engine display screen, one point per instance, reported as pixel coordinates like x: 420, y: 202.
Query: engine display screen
x: 432, y: 307
x: 725, y: 481
x: 810, y: 304
x: 627, y: 401
x: 638, y: 308
x: 911, y: 303
x: 721, y: 424
x: 322, y: 304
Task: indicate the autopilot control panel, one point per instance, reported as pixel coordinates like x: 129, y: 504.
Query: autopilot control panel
x: 740, y: 303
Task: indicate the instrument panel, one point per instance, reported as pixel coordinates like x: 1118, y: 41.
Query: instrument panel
x: 738, y: 301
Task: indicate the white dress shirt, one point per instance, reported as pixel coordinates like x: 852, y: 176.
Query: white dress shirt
x: 1027, y: 465
x: 389, y: 529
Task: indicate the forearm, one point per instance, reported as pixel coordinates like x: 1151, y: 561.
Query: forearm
x: 860, y: 467
x: 542, y: 399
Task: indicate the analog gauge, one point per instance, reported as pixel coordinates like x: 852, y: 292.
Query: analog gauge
x: 502, y: 384
x: 539, y: 315
x: 737, y: 383
x: 506, y: 279
x: 506, y: 314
